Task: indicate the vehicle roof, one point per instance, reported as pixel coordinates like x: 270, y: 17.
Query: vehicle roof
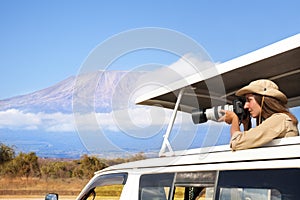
x: 277, y: 150
x: 279, y: 62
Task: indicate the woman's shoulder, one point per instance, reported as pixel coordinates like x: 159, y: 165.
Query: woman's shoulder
x: 275, y: 120
x: 280, y: 116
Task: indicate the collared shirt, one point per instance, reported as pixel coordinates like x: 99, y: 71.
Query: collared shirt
x: 279, y: 125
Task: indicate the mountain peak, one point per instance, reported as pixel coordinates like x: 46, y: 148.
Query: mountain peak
x: 59, y: 97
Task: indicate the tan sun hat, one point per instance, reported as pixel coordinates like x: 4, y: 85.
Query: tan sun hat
x: 263, y: 87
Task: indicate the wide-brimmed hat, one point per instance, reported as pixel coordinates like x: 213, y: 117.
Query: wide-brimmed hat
x: 263, y: 87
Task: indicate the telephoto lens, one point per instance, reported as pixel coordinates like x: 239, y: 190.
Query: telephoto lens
x: 202, y: 115
x: 215, y: 114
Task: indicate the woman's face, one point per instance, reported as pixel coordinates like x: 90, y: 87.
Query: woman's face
x: 253, y: 107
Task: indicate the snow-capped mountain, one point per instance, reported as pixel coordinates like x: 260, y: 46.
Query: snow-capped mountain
x: 59, y: 97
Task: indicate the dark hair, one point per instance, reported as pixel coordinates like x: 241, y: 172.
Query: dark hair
x: 272, y: 105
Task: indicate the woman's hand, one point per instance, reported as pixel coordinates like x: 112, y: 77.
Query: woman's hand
x: 228, y: 116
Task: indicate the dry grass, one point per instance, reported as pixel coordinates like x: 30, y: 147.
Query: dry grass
x: 40, y: 187
x: 32, y: 197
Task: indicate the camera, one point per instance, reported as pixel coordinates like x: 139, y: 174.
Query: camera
x: 201, y: 115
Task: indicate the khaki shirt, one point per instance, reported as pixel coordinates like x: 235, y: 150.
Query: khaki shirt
x: 279, y: 125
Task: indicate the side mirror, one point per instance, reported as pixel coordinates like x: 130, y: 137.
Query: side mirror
x: 51, y: 196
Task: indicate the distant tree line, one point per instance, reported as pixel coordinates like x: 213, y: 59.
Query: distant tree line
x: 29, y: 165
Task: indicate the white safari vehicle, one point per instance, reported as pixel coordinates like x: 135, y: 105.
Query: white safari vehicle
x: 271, y: 172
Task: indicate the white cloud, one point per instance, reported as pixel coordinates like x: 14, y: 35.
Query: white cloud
x: 15, y: 119
x: 137, y: 118
x: 19, y: 120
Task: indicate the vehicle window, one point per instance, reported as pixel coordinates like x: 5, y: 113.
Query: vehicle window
x: 107, y: 187
x: 156, y: 186
x: 193, y: 193
x: 249, y: 194
x: 194, y: 185
x: 268, y: 184
x: 111, y: 192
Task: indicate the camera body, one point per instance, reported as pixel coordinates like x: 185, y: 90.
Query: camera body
x: 202, y: 115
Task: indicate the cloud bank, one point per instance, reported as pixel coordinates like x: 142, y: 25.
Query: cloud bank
x: 135, y: 118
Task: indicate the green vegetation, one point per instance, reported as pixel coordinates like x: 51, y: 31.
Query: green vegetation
x: 25, y: 173
x: 29, y: 165
x: 6, y: 153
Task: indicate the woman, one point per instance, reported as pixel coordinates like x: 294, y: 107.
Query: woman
x: 267, y: 104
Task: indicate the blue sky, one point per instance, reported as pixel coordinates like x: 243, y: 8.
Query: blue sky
x: 44, y: 42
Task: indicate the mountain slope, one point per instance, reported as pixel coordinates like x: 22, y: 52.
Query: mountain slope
x: 59, y: 98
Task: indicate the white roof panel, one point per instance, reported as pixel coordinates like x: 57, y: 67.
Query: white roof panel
x: 279, y: 62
